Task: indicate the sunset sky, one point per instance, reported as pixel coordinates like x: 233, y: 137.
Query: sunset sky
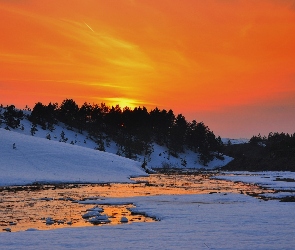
x: 228, y: 63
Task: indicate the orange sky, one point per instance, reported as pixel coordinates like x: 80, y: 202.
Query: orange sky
x: 227, y: 63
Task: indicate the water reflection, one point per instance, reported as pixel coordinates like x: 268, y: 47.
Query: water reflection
x: 46, y: 207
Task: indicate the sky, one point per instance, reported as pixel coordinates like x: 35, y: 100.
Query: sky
x: 228, y: 63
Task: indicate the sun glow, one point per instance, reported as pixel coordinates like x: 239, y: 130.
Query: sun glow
x: 122, y: 102
x: 198, y: 58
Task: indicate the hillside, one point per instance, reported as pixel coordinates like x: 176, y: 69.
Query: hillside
x: 66, y: 154
x: 39, y: 160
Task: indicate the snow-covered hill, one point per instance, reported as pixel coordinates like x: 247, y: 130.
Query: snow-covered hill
x: 66, y: 155
x: 157, y: 159
x: 25, y: 159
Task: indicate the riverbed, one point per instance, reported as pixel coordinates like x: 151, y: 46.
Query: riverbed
x: 51, y: 206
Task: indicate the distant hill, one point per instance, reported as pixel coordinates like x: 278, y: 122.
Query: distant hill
x: 259, y: 157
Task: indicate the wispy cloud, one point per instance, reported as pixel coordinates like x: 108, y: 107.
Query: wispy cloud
x: 200, y: 55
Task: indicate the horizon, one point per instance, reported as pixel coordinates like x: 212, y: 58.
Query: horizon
x: 228, y: 64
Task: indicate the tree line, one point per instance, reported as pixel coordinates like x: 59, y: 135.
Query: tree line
x: 133, y: 130
x: 275, y: 152
x: 277, y: 144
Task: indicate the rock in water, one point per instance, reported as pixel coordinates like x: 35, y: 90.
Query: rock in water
x: 124, y: 220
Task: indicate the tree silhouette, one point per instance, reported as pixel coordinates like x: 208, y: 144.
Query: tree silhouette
x: 177, y: 136
x: 68, y: 113
x: 44, y: 115
x: 12, y: 116
x: 134, y: 131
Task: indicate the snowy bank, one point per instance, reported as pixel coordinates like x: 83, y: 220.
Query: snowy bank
x: 25, y: 159
x: 215, y: 221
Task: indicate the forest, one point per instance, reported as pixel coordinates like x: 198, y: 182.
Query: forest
x: 275, y: 152
x: 133, y: 130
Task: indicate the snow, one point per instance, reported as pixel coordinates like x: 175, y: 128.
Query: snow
x: 215, y: 221
x: 158, y: 157
x: 40, y: 160
x: 235, y: 141
x: 271, y: 180
x: 206, y: 221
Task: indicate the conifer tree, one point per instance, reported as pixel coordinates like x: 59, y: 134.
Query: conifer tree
x: 34, y: 129
x: 68, y: 113
x: 12, y: 116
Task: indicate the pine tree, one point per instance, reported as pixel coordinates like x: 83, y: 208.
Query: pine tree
x: 100, y: 143
x: 48, y: 136
x: 33, y: 129
x: 12, y: 116
x: 68, y: 113
x: 63, y: 137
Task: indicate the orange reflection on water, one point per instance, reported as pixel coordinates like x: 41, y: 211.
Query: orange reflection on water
x: 22, y: 208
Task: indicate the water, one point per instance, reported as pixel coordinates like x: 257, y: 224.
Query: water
x: 29, y: 207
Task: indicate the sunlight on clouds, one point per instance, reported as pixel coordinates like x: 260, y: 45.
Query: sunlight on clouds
x: 116, y: 61
x: 129, y: 63
x: 184, y: 55
x: 85, y: 54
x: 17, y: 58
